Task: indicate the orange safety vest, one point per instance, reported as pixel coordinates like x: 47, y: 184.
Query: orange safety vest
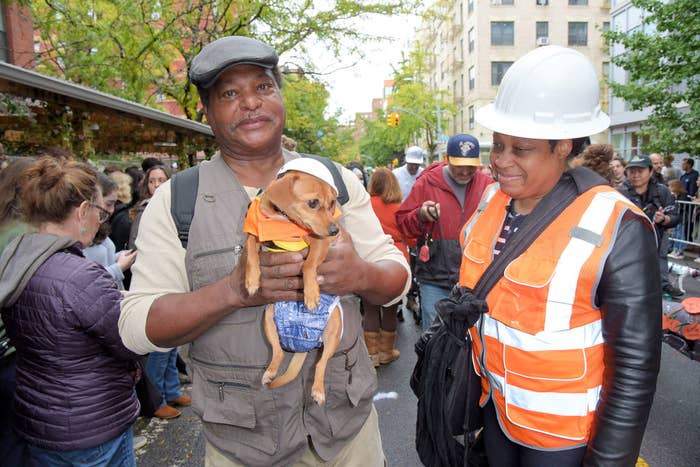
x: 539, y: 349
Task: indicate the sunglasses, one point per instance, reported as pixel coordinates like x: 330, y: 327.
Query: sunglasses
x: 104, y: 214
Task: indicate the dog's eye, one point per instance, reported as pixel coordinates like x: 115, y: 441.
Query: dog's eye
x: 313, y: 203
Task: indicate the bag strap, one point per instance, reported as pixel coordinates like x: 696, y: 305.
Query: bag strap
x: 183, y: 197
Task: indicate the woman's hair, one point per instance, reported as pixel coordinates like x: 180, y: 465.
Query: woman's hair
x: 143, y: 189
x: 9, y: 190
x: 123, y: 182
x: 597, y: 157
x: 51, y: 188
x: 107, y: 184
x: 619, y: 159
x: 677, y: 188
x: 384, y: 183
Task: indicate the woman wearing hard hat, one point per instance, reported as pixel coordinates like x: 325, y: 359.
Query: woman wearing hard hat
x: 568, y: 352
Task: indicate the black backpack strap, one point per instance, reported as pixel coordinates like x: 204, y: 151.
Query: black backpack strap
x: 343, y: 196
x: 183, y: 197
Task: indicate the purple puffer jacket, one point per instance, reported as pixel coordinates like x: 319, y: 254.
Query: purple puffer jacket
x: 74, y: 386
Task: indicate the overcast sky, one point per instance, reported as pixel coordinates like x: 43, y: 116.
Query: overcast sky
x: 353, y: 89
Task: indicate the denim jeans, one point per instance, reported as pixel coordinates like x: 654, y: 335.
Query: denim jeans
x: 679, y: 232
x: 429, y: 294
x: 161, y: 368
x: 117, y: 452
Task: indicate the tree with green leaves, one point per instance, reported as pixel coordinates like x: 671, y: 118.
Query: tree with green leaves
x: 306, y: 101
x: 417, y: 106
x: 662, y: 60
x: 139, y: 49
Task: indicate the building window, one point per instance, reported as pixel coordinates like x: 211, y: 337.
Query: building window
x: 471, y: 117
x: 578, y: 33
x: 501, y: 2
x: 471, y: 36
x: 3, y: 36
x: 472, y: 78
x: 502, y: 33
x: 470, y: 6
x: 542, y: 2
x: 542, y: 29
x: 498, y: 69
x: 578, y: 2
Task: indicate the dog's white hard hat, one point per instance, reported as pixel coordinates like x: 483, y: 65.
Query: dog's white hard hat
x: 552, y: 93
x: 311, y: 167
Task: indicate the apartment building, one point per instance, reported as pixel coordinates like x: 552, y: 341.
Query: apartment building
x: 476, y: 41
x: 624, y: 122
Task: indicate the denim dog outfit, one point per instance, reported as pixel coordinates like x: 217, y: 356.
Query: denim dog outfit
x: 299, y: 329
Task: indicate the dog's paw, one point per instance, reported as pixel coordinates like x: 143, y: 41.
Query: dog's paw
x: 267, y: 377
x: 312, y: 298
x: 319, y: 395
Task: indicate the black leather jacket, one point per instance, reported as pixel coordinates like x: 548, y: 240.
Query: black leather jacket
x: 630, y: 299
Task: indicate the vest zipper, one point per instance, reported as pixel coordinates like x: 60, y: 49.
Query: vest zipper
x: 226, y: 365
x: 237, y: 250
x: 223, y: 384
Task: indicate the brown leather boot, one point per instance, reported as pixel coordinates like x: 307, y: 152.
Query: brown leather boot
x: 372, y: 343
x: 387, y: 352
x: 165, y: 412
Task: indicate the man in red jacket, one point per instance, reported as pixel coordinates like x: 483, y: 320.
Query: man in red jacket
x: 444, y: 197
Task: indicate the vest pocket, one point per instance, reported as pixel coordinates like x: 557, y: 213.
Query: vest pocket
x: 350, y: 379
x: 234, y: 406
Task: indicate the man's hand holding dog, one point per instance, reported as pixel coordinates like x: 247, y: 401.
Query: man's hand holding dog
x: 280, y: 279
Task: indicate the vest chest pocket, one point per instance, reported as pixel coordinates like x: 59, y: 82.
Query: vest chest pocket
x: 216, y: 261
x: 234, y: 406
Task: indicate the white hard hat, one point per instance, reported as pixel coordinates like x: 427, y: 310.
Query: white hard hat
x: 414, y: 155
x: 551, y: 93
x: 311, y: 167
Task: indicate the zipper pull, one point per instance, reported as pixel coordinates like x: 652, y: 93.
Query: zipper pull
x: 221, y: 392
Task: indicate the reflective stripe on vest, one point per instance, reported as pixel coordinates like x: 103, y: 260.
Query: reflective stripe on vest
x: 542, y: 341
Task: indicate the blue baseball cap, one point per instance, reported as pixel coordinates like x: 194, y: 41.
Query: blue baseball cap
x: 463, y: 150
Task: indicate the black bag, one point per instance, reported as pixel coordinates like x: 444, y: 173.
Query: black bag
x: 446, y: 385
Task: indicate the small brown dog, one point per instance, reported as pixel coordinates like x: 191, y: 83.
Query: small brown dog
x: 297, y: 210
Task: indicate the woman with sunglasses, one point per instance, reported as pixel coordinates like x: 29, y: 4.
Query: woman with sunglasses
x: 75, y: 401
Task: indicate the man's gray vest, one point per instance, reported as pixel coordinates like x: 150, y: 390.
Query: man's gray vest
x: 251, y: 424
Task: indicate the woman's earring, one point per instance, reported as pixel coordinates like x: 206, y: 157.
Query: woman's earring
x: 83, y: 230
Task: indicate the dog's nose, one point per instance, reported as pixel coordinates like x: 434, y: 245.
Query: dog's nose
x: 333, y: 229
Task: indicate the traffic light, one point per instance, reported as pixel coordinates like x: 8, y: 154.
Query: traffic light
x: 392, y: 119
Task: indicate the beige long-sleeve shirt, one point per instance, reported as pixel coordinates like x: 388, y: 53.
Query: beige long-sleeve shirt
x: 160, y: 265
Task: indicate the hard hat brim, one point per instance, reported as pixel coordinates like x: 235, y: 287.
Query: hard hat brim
x: 499, y: 122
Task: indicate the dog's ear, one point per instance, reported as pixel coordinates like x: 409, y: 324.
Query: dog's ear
x: 278, y: 194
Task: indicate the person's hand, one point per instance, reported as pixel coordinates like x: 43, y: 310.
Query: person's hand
x: 342, y: 269
x: 126, y: 259
x: 659, y: 216
x: 280, y: 278
x: 429, y: 211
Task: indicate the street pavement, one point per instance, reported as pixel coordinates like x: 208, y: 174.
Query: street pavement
x: 671, y: 438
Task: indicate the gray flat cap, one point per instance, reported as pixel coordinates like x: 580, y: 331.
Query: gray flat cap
x: 216, y: 56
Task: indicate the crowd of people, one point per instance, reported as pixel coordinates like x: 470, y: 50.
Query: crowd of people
x: 100, y: 287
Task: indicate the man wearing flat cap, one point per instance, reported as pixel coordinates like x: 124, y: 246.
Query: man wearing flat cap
x: 659, y: 204
x: 442, y: 199
x: 195, y: 293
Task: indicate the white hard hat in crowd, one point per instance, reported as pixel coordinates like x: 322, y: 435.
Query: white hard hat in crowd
x: 551, y: 93
x: 414, y: 155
